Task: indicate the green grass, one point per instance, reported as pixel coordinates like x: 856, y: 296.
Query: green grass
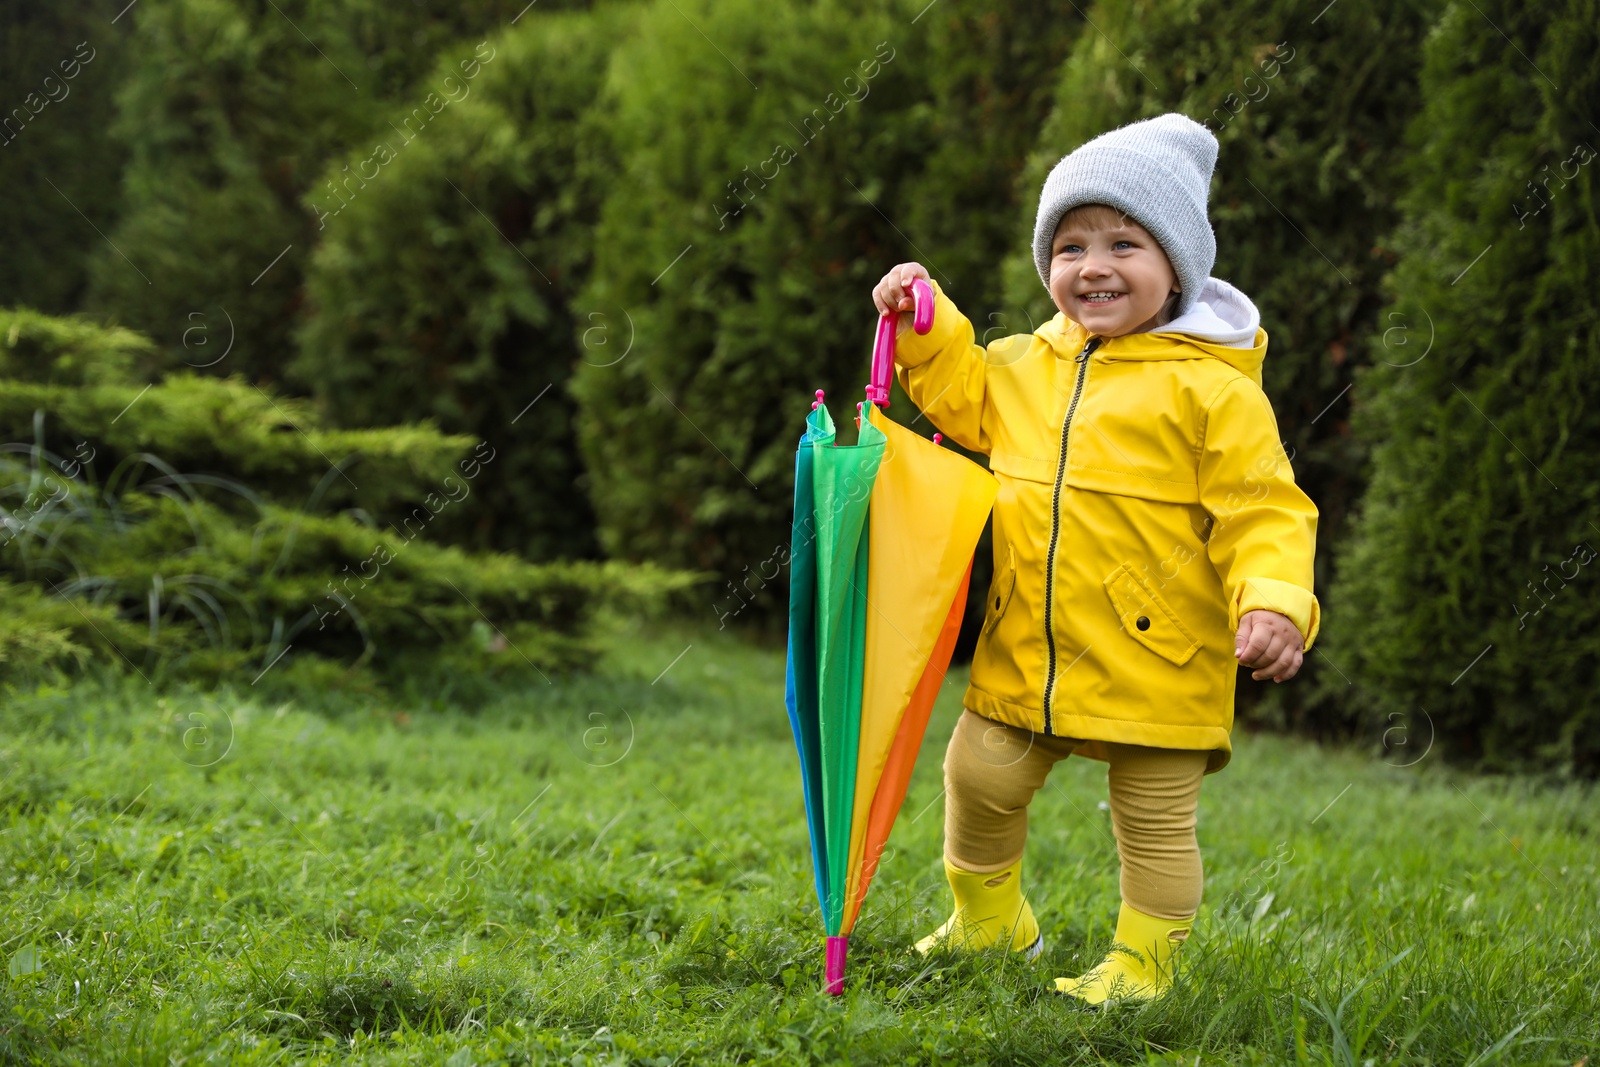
x: 615, y: 870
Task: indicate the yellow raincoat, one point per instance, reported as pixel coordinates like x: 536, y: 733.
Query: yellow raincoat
x: 1121, y: 572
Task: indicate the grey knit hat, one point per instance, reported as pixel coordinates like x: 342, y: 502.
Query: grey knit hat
x: 1158, y: 172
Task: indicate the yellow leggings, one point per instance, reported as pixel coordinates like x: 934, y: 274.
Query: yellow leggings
x: 992, y: 770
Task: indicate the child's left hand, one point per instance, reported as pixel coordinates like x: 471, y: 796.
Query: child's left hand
x: 1271, y: 642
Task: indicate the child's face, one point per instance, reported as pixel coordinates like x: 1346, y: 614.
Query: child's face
x: 1104, y: 252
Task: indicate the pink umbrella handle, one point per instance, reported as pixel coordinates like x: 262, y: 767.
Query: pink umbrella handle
x: 837, y: 947
x: 883, y: 346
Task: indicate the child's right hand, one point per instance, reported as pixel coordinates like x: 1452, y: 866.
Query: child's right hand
x: 893, y: 293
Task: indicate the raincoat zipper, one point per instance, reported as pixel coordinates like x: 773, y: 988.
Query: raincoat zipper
x: 1082, y: 359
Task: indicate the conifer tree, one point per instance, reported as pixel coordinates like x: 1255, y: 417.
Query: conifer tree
x: 1465, y: 613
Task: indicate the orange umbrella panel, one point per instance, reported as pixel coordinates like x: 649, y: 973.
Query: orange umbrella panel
x: 927, y: 512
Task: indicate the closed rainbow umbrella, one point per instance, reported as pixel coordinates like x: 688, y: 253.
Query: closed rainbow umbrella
x: 880, y: 559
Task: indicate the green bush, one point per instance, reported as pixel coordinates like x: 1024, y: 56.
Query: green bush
x: 1466, y: 590
x: 445, y: 288
x: 745, y: 229
x: 45, y: 349
x: 228, y: 118
x: 60, y: 67
x: 203, y: 528
x: 43, y: 633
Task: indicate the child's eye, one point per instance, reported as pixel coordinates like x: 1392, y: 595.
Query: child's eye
x: 1068, y: 248
x: 1128, y: 243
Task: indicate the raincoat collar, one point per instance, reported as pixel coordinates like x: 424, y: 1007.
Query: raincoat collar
x: 1223, y: 323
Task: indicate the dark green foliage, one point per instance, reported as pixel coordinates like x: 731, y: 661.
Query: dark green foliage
x: 1309, y: 108
x: 204, y: 526
x: 445, y: 287
x: 742, y: 237
x: 1467, y: 588
x: 42, y: 631
x: 44, y: 349
x: 690, y: 437
x: 60, y: 65
x: 229, y: 114
x: 87, y: 383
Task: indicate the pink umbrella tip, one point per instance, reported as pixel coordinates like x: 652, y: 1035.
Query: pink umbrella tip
x: 837, y: 948
x: 938, y: 437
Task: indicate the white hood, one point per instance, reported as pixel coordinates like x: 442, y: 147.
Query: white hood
x: 1222, y: 315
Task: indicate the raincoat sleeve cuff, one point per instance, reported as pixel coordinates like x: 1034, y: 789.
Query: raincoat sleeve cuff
x: 1270, y: 594
x: 912, y: 349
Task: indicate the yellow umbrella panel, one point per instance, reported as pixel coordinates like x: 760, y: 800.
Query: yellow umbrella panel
x: 925, y: 516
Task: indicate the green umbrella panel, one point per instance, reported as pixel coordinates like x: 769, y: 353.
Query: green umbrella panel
x: 843, y: 477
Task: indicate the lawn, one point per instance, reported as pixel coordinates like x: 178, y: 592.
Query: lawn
x: 615, y: 869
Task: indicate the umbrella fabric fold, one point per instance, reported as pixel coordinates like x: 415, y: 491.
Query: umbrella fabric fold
x: 800, y: 685
x: 843, y: 480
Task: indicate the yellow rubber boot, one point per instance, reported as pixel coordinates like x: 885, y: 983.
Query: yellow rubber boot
x: 1140, y: 966
x: 990, y: 910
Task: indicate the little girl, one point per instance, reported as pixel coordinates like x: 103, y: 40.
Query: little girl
x: 1149, y: 538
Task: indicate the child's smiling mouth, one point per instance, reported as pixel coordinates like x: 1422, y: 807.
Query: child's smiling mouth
x: 1100, y: 298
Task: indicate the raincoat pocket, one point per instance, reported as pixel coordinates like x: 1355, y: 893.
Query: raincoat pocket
x: 1147, y: 619
x: 1000, y: 590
